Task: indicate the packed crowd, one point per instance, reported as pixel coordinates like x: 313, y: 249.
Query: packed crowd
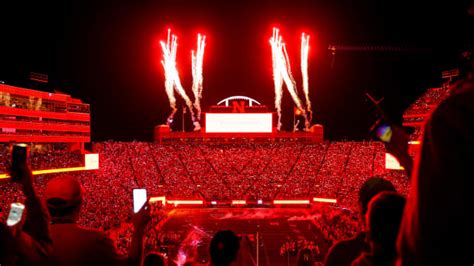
x: 292, y: 246
x: 335, y: 223
x: 216, y: 171
x: 213, y: 172
x: 247, y: 171
x: 43, y: 159
x: 388, y: 228
x: 421, y: 109
x: 427, y: 101
x: 154, y: 238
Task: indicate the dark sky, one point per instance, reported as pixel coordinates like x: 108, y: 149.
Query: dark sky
x: 107, y: 54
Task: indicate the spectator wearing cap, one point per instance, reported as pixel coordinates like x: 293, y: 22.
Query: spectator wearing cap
x: 383, y: 223
x: 345, y: 251
x: 76, y: 245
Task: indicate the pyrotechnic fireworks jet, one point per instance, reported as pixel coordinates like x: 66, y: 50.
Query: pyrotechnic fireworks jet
x: 169, y: 79
x: 275, y: 43
x: 179, y: 88
x: 288, y: 78
x: 197, y: 62
x: 172, y: 81
x: 282, y: 73
x: 304, y: 71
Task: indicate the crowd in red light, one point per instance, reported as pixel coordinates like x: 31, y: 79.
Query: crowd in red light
x: 422, y: 107
x: 286, y: 170
x: 427, y: 101
x: 46, y: 159
x: 283, y: 170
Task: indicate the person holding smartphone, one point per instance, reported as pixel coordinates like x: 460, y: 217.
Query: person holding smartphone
x: 393, y: 136
x: 26, y: 238
x: 76, y: 245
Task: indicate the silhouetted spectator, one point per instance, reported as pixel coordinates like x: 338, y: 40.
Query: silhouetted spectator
x: 223, y: 248
x: 435, y: 227
x: 227, y: 249
x: 75, y: 245
x: 383, y: 222
x: 29, y: 241
x: 154, y: 259
x: 345, y: 251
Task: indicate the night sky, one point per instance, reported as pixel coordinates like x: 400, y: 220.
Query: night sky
x: 107, y: 54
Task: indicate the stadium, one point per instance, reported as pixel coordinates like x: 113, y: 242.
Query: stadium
x: 270, y: 166
x: 293, y: 189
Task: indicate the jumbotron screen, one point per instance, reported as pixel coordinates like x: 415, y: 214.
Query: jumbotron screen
x: 239, y: 122
x: 392, y: 163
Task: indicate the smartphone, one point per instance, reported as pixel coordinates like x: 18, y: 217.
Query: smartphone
x: 19, y: 157
x: 16, y: 212
x: 383, y: 131
x: 139, y: 199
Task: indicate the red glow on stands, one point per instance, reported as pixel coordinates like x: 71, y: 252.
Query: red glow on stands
x: 44, y: 114
x: 39, y: 138
x: 155, y: 199
x: 50, y: 171
x: 284, y: 202
x: 414, y: 146
x: 325, y: 200
x: 44, y: 126
x: 185, y: 202
x: 239, y: 202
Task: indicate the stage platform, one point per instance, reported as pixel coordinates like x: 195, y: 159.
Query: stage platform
x: 163, y: 135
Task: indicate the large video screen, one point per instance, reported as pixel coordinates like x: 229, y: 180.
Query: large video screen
x: 91, y: 161
x: 392, y: 163
x: 238, y: 123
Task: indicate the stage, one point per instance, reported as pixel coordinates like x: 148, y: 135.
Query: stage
x: 239, y: 119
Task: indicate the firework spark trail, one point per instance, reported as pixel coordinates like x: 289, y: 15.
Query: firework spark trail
x: 172, y: 81
x: 304, y: 71
x: 288, y: 78
x: 282, y: 73
x: 169, y: 80
x: 197, y: 62
x: 275, y: 43
x: 179, y: 88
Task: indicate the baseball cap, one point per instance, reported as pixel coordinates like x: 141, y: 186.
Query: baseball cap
x: 63, y: 191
